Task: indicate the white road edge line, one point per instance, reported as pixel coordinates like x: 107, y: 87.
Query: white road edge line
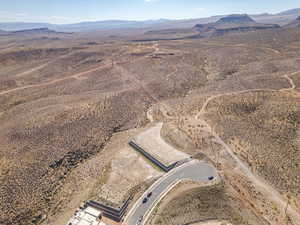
x: 154, y: 185
x: 171, y: 186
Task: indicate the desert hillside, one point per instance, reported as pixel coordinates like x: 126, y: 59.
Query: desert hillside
x: 70, y: 103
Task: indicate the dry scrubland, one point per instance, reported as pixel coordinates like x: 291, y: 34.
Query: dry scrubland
x: 254, y: 107
x: 61, y: 101
x: 204, y: 203
x: 263, y: 128
x: 151, y: 141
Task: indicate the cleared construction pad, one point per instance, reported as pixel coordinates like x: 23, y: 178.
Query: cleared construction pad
x: 128, y: 169
x: 152, y: 142
x: 212, y: 223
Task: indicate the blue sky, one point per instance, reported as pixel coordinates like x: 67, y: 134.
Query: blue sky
x: 72, y: 11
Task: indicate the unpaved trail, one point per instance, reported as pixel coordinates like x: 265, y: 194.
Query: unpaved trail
x: 266, y: 189
x: 244, y: 46
x: 260, y: 184
x: 33, y: 69
x: 8, y: 47
x: 127, y: 74
x: 42, y: 66
x: 77, y: 76
x: 203, y: 109
x: 271, y: 50
x: 293, y: 86
x: 172, y: 73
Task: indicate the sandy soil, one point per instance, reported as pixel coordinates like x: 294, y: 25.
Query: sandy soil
x: 152, y: 141
x: 212, y: 223
x: 93, y: 179
x: 128, y: 169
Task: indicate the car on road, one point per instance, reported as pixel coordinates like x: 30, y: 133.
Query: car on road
x: 145, y: 200
x: 210, y: 178
x: 139, y: 221
x: 149, y: 195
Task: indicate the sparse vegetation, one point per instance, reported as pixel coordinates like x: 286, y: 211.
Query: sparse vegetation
x: 264, y: 130
x: 61, y: 102
x: 203, y: 203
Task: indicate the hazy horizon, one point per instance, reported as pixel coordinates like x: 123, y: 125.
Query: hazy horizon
x: 62, y: 12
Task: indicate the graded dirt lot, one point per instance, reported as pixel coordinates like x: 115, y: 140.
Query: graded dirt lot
x: 152, y: 142
x: 127, y: 170
x: 65, y: 106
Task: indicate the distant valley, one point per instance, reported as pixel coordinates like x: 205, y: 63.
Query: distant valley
x: 282, y: 18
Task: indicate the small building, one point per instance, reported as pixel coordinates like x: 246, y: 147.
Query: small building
x: 87, y: 216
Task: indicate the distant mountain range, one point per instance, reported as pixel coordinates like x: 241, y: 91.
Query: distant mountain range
x: 293, y: 24
x: 84, y: 26
x: 290, y: 12
x: 282, y: 18
x: 34, y: 31
x: 231, y: 23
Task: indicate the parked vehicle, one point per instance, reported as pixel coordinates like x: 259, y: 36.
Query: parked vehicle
x: 145, y: 200
x: 139, y: 221
x: 210, y: 178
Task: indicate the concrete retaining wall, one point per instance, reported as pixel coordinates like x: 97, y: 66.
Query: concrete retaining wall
x: 110, y: 212
x: 152, y: 158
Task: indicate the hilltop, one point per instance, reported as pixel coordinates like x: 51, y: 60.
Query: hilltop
x: 236, y: 18
x: 295, y: 23
x: 232, y: 23
x: 281, y: 18
x: 31, y: 32
x: 43, y: 30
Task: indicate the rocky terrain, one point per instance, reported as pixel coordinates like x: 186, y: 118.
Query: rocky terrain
x: 70, y: 103
x: 232, y: 23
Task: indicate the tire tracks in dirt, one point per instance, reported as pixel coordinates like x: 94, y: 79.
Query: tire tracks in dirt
x: 268, y: 191
x: 261, y: 184
x: 287, y: 76
x: 77, y: 76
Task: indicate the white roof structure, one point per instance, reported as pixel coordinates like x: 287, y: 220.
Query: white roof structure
x: 92, y: 211
x: 87, y: 216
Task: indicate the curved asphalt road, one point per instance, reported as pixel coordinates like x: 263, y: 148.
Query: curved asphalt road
x: 194, y: 170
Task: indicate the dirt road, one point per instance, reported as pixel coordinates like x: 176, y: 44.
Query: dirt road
x: 261, y: 185
x: 75, y: 76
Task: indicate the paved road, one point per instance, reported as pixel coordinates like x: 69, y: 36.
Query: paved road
x: 195, y: 170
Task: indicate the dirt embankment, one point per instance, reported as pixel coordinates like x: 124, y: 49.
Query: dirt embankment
x: 175, y: 137
x: 43, y: 141
x: 193, y: 204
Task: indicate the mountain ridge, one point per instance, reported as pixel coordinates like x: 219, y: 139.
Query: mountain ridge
x: 232, y: 23
x: 294, y: 24
x: 281, y: 18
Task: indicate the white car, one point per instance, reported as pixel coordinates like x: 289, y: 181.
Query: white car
x: 139, y: 222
